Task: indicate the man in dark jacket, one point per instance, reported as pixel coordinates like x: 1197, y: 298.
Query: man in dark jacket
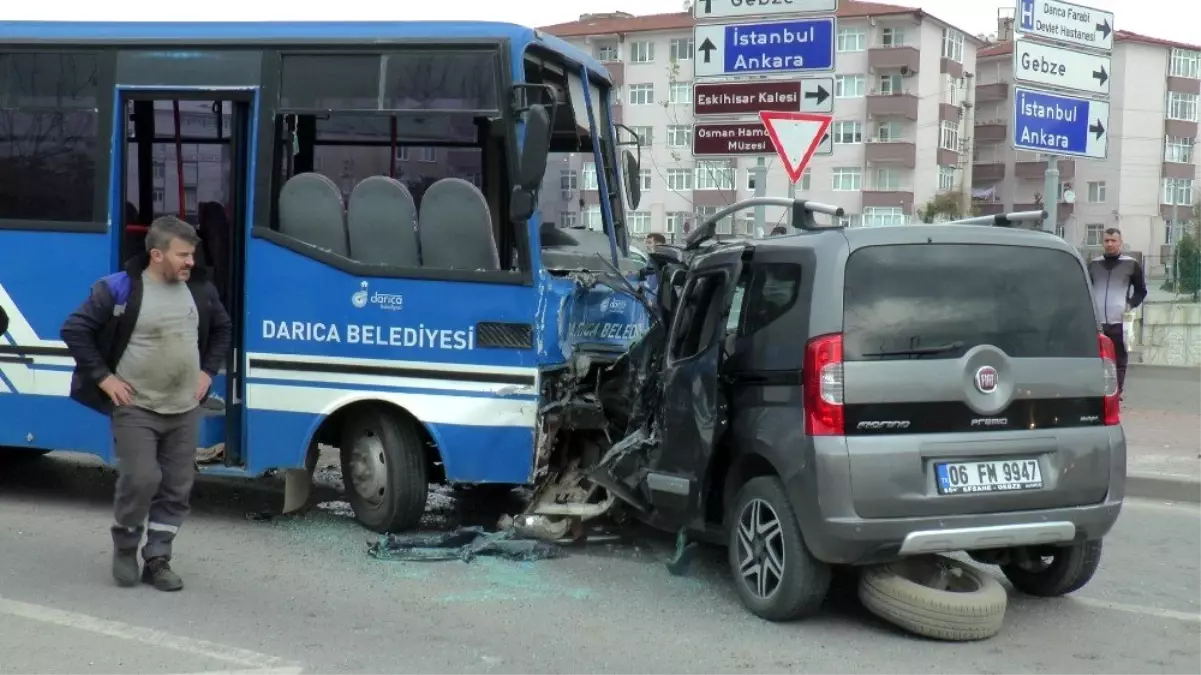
x: 1118, y: 284
x: 147, y: 344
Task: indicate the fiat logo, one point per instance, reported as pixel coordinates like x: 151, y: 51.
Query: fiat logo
x: 986, y: 379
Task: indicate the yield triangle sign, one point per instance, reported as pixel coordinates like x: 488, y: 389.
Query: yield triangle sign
x: 796, y: 136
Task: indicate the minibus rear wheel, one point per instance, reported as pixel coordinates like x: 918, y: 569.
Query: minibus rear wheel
x: 384, y: 468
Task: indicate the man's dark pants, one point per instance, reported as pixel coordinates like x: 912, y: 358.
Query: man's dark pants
x: 1114, y: 332
x: 156, y: 461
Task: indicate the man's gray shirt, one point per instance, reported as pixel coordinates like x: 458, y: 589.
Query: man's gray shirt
x: 1116, y: 280
x: 162, y: 363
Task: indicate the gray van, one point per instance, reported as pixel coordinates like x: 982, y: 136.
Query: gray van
x: 859, y: 396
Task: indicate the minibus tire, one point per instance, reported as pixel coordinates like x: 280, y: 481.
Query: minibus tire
x: 398, y: 460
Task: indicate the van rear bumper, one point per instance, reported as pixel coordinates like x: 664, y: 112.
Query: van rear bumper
x: 837, y: 534
x: 856, y: 541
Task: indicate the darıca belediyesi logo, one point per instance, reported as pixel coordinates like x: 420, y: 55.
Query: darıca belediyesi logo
x: 364, y: 297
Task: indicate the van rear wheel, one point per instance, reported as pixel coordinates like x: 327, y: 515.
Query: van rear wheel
x: 383, y: 467
x: 1052, y: 571
x: 776, y: 576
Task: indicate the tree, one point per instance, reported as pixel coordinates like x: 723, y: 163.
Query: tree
x: 1188, y: 256
x: 948, y: 204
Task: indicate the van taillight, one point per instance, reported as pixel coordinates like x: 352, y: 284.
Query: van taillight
x: 1109, y: 364
x: 823, y: 382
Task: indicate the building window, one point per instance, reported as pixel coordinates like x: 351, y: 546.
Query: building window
x: 642, y: 52
x: 590, y: 177
x: 679, y: 180
x: 569, y: 179
x: 644, y: 177
x: 892, y: 37
x: 952, y: 45
x: 679, y: 136
x: 607, y: 53
x: 427, y: 154
x: 891, y: 84
x: 1185, y: 63
x: 888, y: 132
x: 848, y: 132
x: 639, y: 222
x: 642, y: 94
x: 724, y: 226
x: 852, y: 39
x: 592, y: 218
x: 568, y: 219
x: 948, y: 135
x: 888, y: 180
x: 849, y: 86
x: 681, y: 49
x: 1178, y: 191
x: 884, y: 216
x: 806, y: 180
x: 750, y: 178
x: 1174, y: 230
x: 681, y: 93
x: 1094, y: 234
x: 848, y: 179
x: 714, y: 176
x: 1182, y: 106
x: 1178, y: 150
x: 674, y: 223
x: 1096, y: 192
x: 946, y: 178
x: 646, y: 135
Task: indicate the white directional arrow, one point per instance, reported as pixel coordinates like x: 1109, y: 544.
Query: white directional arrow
x: 796, y: 137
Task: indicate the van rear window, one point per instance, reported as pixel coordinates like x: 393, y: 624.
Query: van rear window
x: 937, y: 301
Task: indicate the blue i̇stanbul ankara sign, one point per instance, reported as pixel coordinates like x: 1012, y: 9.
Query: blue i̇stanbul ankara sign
x: 797, y: 46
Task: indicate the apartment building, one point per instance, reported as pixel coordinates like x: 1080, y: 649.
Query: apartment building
x: 902, y: 125
x: 1146, y: 186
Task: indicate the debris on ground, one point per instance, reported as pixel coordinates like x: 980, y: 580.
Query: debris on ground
x: 464, y: 543
x: 337, y: 508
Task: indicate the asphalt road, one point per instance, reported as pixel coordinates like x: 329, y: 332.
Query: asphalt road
x: 1163, y: 388
x: 291, y: 595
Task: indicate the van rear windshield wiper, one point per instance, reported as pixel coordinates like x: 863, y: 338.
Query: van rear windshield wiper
x: 918, y: 351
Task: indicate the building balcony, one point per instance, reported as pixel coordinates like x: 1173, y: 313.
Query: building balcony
x: 950, y: 67
x: 1177, y: 212
x: 900, y: 104
x: 718, y: 198
x: 1184, y: 85
x: 984, y: 173
x: 1179, y: 129
x: 1064, y: 211
x: 1179, y: 170
x: 894, y: 153
x: 991, y: 93
x: 947, y: 157
x: 904, y: 58
x: 949, y: 112
x: 888, y: 198
x: 617, y: 113
x: 992, y: 131
x: 988, y: 208
x: 1037, y: 170
x: 617, y: 70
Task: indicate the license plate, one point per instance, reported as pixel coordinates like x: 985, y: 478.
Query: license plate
x: 996, y: 476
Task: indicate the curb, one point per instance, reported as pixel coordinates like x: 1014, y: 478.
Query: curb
x: 1150, y: 486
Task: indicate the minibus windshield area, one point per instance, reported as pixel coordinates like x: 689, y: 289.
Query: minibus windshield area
x: 574, y: 228
x: 416, y: 115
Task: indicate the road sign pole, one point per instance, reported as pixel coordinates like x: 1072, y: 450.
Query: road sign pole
x: 760, y: 171
x: 1051, y: 194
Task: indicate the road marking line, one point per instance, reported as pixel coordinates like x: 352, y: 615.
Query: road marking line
x: 291, y: 670
x: 1136, y: 609
x: 147, y: 636
x: 255, y: 671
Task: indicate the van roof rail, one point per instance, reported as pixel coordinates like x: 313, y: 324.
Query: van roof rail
x: 802, y: 217
x: 1003, y: 219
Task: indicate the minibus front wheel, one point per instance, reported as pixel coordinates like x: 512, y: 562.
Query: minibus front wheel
x: 384, y: 468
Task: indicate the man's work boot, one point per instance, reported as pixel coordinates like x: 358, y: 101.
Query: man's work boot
x: 158, y: 574
x: 125, y: 566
